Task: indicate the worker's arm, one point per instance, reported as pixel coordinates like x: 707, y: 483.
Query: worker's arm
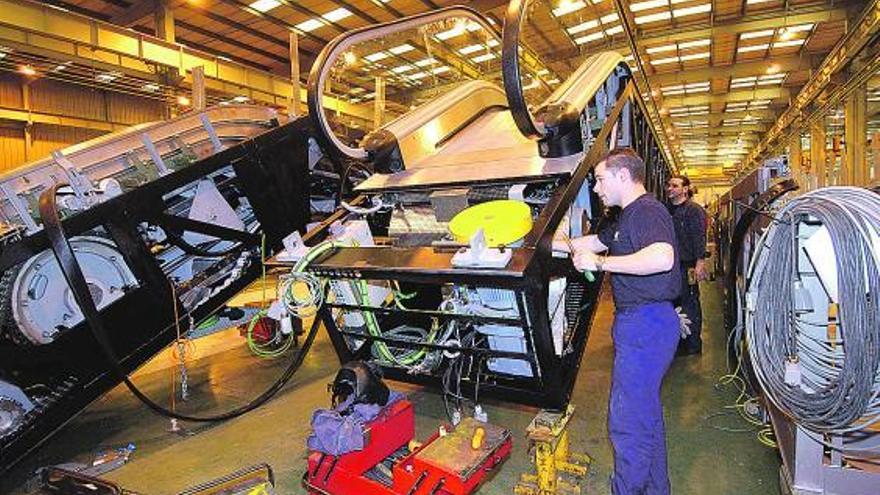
x: 588, y: 242
x: 654, y: 258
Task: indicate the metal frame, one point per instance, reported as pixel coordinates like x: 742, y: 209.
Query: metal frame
x: 270, y: 170
x: 527, y: 275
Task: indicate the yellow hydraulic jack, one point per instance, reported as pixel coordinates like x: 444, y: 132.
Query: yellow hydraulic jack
x: 548, y: 438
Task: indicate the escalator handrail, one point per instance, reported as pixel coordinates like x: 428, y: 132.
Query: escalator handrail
x: 328, y: 56
x: 510, y: 72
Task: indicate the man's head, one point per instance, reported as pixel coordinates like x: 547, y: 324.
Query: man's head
x: 620, y: 174
x: 678, y: 188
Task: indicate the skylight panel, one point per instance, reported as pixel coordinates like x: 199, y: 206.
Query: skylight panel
x: 484, y: 57
x: 695, y: 10
x: 584, y: 26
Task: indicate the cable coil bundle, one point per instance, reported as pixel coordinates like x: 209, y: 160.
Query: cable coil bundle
x: 827, y: 381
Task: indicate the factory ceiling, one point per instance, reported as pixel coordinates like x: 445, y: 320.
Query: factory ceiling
x: 721, y: 70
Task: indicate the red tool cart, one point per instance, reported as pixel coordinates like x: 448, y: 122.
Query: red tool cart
x: 453, y: 464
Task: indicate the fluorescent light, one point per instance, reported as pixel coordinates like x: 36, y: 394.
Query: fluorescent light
x: 106, y: 77
x: 584, y: 26
x: 757, y: 34
x: 374, y: 57
x: 240, y: 99
x: 264, y: 5
x: 357, y: 90
x: 553, y: 81
x: 589, y: 37
x: 661, y: 61
x: 694, y: 44
x: 752, y: 48
x: 658, y: 49
x: 568, y: 6
x: 401, y: 69
x: 492, y: 43
x: 484, y: 57
x: 696, y: 9
x: 799, y: 27
x: 650, y: 4
x: 784, y: 44
x: 151, y: 87
x: 425, y: 61
x: 397, y: 50
x: 615, y: 30
x: 418, y: 75
x: 543, y: 72
x: 744, y: 79
x: 337, y: 14
x: 440, y: 70
x: 309, y: 25
x: 659, y: 16
x: 694, y: 56
x: 753, y: 2
x: 451, y: 33
x: 471, y: 49
x: 697, y: 85
x: 606, y: 19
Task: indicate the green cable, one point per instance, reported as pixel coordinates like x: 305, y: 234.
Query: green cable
x: 256, y: 348
x: 373, y: 329
x: 363, y: 292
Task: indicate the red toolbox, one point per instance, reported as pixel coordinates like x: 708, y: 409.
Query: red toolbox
x: 447, y: 465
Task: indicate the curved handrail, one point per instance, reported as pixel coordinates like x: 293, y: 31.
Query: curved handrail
x: 510, y: 72
x: 332, y: 51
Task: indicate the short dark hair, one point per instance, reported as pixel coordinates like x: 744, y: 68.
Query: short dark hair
x: 626, y: 158
x: 685, y: 181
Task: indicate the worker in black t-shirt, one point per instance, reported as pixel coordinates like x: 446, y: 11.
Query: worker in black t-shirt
x: 643, y: 264
x: 689, y: 219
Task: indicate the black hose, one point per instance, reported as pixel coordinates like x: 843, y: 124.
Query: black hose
x: 77, y: 283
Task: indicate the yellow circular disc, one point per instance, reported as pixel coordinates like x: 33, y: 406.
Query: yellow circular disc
x: 503, y: 221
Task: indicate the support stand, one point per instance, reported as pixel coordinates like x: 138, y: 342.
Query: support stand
x: 548, y: 437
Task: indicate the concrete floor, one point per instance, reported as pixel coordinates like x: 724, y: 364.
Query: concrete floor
x: 703, y: 458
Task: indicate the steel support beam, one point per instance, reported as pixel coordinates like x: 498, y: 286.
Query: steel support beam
x: 753, y: 22
x: 293, y: 108
x: 743, y: 69
x: 34, y: 28
x: 379, y: 103
x: 818, y: 153
x: 796, y: 161
x: 134, y: 13
x: 199, y: 102
x: 855, y: 110
x: 28, y: 117
x: 165, y: 21
x: 848, y: 49
x: 732, y: 96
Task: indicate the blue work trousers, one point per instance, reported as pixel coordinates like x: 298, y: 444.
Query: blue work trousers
x: 645, y: 339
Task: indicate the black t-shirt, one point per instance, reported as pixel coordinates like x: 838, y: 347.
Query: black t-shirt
x: 689, y: 220
x: 642, y: 223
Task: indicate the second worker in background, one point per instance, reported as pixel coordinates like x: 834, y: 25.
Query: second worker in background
x: 689, y: 220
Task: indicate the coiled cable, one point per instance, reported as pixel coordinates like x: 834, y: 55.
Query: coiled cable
x: 837, y: 377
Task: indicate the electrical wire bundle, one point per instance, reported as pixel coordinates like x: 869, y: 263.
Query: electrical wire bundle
x: 825, y: 382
